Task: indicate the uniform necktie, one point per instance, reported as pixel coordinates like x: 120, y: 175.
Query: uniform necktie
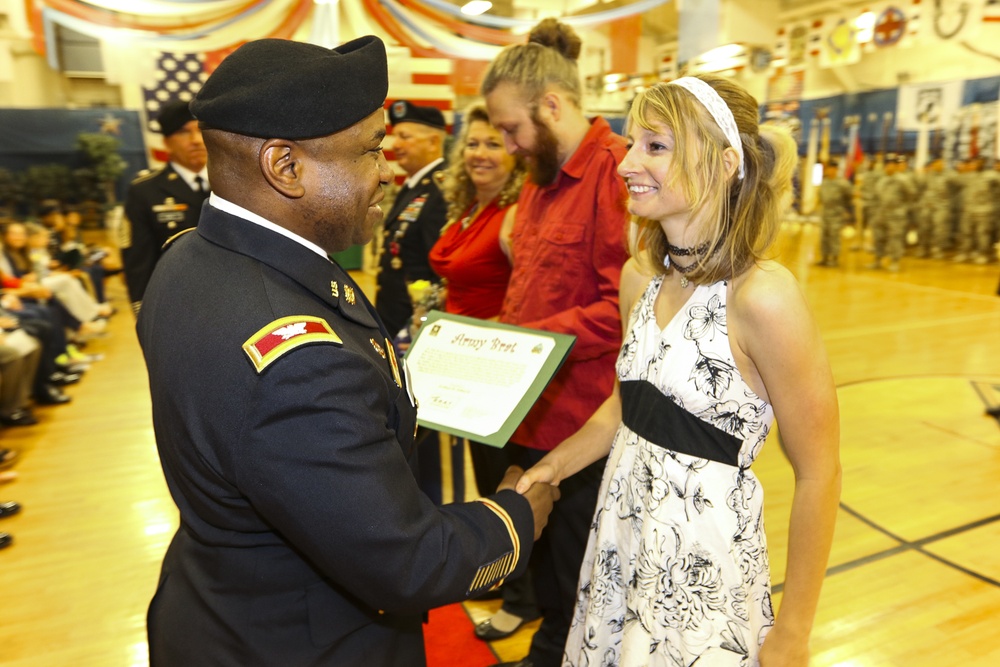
x: 199, y: 184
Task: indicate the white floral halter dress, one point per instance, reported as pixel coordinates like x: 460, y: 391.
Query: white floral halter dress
x: 676, y: 571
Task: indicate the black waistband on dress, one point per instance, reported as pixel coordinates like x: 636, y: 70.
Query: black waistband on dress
x: 662, y: 422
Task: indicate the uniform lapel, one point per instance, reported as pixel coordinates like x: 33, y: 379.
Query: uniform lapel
x: 176, y: 187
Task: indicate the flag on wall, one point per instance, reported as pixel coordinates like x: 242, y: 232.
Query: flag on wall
x: 786, y: 85
x: 855, y: 155
x: 936, y: 103
x: 840, y: 45
x: 179, y: 76
x: 890, y: 27
x: 798, y: 38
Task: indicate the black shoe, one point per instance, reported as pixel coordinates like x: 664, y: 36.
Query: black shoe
x: 51, y: 396
x: 488, y: 633
x: 9, y: 508
x: 5, y: 540
x: 61, y: 379
x: 18, y: 418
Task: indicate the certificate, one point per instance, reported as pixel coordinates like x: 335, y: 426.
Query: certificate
x: 477, y: 379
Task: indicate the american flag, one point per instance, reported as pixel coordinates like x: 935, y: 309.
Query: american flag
x: 179, y: 76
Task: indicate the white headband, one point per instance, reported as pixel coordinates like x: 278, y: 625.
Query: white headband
x: 718, y: 108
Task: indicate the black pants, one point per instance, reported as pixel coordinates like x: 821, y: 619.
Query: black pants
x: 558, y: 555
x: 48, y: 337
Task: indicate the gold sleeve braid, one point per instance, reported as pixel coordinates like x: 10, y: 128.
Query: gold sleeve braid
x: 491, y: 575
x: 125, y: 233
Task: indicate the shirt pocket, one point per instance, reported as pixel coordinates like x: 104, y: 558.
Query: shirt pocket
x: 565, y: 257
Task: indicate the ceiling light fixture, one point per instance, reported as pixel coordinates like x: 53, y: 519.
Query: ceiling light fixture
x: 476, y: 7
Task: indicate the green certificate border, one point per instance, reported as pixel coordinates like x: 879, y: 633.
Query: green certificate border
x: 553, y: 362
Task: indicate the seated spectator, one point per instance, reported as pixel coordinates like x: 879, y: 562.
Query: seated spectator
x: 67, y: 246
x: 19, y: 355
x: 66, y: 287
x: 49, y: 376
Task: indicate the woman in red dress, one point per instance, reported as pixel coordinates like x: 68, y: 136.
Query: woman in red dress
x: 481, y: 186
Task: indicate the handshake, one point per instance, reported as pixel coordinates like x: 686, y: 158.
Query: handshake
x: 537, y: 488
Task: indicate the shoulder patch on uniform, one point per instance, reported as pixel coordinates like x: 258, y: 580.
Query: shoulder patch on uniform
x: 285, y: 334
x: 170, y: 241
x: 147, y: 174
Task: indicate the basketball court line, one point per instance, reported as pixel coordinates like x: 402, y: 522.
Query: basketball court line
x: 907, y: 545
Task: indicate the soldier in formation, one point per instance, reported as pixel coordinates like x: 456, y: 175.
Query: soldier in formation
x: 897, y: 191
x: 837, y: 204
x: 936, y: 213
x: 867, y: 183
x: 978, y: 218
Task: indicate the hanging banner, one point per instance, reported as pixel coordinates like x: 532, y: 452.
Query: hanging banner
x: 840, y: 45
x: 936, y: 103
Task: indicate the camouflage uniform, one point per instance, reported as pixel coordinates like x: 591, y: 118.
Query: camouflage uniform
x: 977, y: 224
x: 936, y: 212
x: 895, y: 195
x: 869, y: 200
x: 836, y: 198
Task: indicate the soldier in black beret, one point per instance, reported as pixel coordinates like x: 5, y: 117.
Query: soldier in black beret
x: 282, y: 415
x: 164, y: 202
x: 413, y: 224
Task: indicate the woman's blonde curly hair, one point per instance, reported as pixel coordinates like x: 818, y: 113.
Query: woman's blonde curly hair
x: 454, y: 180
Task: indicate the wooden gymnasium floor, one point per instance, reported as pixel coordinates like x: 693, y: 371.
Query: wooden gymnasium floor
x: 914, y: 577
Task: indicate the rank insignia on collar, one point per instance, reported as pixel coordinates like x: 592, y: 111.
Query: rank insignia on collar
x: 378, y: 348
x: 334, y: 289
x: 349, y: 294
x: 284, y: 335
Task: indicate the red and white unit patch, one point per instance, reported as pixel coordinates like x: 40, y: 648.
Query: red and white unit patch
x: 286, y: 334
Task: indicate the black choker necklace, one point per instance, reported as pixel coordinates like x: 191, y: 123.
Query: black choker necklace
x: 684, y: 252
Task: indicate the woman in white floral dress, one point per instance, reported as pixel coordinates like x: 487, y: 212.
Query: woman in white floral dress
x: 718, y: 342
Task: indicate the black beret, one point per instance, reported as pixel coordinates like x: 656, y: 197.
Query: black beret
x: 407, y: 112
x: 173, y: 116
x: 279, y: 89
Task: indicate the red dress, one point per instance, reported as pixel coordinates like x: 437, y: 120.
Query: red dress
x: 474, y: 265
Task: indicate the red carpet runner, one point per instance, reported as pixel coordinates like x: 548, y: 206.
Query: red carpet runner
x: 450, y: 642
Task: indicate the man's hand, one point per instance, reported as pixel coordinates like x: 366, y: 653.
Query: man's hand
x: 541, y: 497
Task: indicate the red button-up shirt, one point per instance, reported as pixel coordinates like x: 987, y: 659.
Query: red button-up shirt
x: 569, y: 248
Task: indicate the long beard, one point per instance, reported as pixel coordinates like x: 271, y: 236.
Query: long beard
x: 543, y: 167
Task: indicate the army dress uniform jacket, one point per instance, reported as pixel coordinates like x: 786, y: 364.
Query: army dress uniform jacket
x: 411, y: 229
x: 158, y: 206
x: 284, y: 425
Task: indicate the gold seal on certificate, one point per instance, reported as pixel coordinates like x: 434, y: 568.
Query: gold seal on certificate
x: 477, y: 379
